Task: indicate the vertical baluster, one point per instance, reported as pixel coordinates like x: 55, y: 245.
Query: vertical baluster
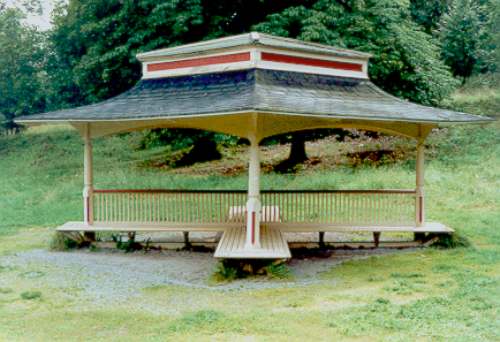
x: 374, y: 208
x: 204, y: 205
x: 344, y: 208
x: 149, y: 211
x: 175, y: 214
x: 111, y: 211
x: 102, y: 216
x: 136, y: 206
x: 336, y: 210
x: 175, y: 208
x: 159, y: 208
x: 380, y: 208
x: 353, y: 208
x: 386, y: 209
x: 106, y: 197
x: 182, y: 206
x: 97, y: 212
x: 143, y: 208
x: 191, y: 207
x: 385, y: 205
x: 119, y: 203
x: 139, y: 207
x: 337, y: 215
x: 197, y: 213
x: 220, y: 211
x: 363, y: 208
x: 166, y: 202
x: 124, y: 206
x: 324, y: 213
x: 166, y: 206
x: 117, y: 207
x: 200, y: 207
x: 307, y: 211
x: 113, y: 207
x: 350, y: 207
x: 280, y: 203
x: 210, y: 207
x: 140, y: 210
x: 153, y: 206
x: 147, y: 206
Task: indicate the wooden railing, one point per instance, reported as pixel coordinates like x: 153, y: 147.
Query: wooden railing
x: 182, y: 206
x: 325, y: 207
x: 344, y: 207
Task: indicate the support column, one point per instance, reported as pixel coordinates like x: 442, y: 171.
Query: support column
x: 420, y: 212
x: 253, y: 208
x: 88, y: 188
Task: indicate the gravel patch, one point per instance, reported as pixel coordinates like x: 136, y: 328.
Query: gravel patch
x: 106, y: 276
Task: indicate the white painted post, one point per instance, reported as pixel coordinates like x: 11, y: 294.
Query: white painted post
x: 88, y: 188
x: 420, y: 213
x: 253, y: 202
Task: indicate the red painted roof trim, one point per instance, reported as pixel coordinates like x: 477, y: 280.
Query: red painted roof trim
x: 187, y: 63
x: 275, y: 57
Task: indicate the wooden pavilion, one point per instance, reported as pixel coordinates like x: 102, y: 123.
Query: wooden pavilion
x: 254, y: 86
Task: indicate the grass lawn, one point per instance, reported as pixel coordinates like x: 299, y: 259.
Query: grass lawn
x: 428, y: 294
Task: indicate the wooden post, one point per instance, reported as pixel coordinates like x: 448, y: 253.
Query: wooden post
x: 376, y: 238
x: 321, y: 239
x: 88, y: 188
x: 253, y: 203
x: 420, y: 213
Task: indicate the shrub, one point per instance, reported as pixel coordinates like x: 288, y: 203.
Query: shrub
x: 61, y: 242
x: 225, y: 272
x: 130, y: 245
x: 31, y: 295
x: 231, y: 269
x: 278, y: 270
x: 454, y: 240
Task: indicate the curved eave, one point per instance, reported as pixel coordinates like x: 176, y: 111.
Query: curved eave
x: 33, y: 120
x: 172, y: 102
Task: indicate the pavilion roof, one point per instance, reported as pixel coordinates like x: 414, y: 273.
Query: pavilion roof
x: 256, y: 90
x: 255, y: 39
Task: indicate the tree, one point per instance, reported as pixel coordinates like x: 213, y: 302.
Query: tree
x: 94, y: 42
x: 427, y: 13
x: 464, y: 37
x: 406, y: 60
x: 493, y: 39
x: 21, y: 58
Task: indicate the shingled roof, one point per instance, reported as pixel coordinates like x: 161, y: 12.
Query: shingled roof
x: 255, y: 90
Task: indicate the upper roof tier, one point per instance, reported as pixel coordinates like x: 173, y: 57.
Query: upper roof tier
x: 254, y: 50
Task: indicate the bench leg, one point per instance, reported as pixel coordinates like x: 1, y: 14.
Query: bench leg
x: 419, y: 237
x: 187, y: 244
x: 321, y: 239
x: 89, y: 236
x: 376, y: 238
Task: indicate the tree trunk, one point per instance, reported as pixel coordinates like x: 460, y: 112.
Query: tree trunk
x: 298, y: 149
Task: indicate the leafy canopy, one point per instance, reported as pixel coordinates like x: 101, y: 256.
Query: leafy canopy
x: 406, y: 60
x: 21, y: 58
x: 466, y: 32
x: 94, y: 42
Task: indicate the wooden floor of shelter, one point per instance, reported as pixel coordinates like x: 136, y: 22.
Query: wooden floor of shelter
x: 232, y: 243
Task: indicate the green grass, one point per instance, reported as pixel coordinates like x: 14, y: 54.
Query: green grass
x: 430, y: 294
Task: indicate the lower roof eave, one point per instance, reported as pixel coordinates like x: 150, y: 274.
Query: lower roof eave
x: 478, y: 119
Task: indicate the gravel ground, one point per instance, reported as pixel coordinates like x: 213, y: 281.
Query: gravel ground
x: 105, y: 276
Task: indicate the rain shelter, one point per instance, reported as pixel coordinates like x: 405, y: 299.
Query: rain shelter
x: 254, y: 86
